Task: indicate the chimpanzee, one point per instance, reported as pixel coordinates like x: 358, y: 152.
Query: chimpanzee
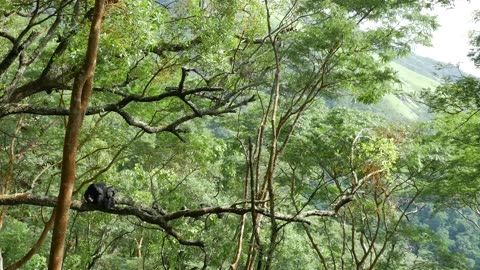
x: 100, y: 195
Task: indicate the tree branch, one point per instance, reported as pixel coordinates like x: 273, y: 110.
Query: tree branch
x: 17, y: 108
x: 127, y: 207
x: 218, y: 108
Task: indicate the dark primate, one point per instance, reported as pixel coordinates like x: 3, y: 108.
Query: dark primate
x: 100, y: 195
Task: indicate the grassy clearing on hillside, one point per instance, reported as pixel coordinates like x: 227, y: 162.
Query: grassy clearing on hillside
x: 413, y: 82
x: 400, y: 106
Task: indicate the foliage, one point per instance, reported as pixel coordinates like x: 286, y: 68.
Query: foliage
x: 206, y: 109
x: 455, y: 97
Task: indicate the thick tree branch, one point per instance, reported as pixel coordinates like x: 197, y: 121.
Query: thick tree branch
x: 16, y: 108
x: 125, y: 206
x: 7, y: 36
x: 218, y: 108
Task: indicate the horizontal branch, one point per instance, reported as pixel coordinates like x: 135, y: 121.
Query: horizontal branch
x: 19, y: 108
x: 127, y: 207
x: 195, y: 213
x: 148, y: 215
x: 219, y: 107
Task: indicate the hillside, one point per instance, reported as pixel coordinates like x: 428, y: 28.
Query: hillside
x: 415, y: 73
x: 428, y: 67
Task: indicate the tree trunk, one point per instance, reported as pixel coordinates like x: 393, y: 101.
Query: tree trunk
x: 82, y: 89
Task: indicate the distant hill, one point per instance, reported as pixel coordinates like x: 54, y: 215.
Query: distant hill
x: 428, y: 67
x: 415, y: 74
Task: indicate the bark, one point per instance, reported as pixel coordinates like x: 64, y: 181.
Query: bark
x: 82, y: 89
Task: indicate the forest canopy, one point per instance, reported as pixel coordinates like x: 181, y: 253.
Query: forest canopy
x: 229, y: 134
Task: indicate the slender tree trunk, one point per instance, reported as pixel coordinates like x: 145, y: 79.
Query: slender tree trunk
x: 139, y: 247
x: 82, y: 89
x: 248, y: 175
x: 9, y: 175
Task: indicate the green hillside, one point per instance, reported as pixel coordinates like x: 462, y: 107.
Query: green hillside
x: 430, y: 68
x: 413, y: 81
x: 399, y: 106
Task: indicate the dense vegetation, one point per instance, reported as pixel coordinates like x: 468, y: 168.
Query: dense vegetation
x: 237, y: 135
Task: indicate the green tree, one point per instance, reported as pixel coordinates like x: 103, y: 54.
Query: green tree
x: 453, y: 148
x: 165, y: 68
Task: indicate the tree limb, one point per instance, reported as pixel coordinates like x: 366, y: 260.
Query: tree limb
x: 127, y: 207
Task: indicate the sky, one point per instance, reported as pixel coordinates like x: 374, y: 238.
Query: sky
x: 450, y: 41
